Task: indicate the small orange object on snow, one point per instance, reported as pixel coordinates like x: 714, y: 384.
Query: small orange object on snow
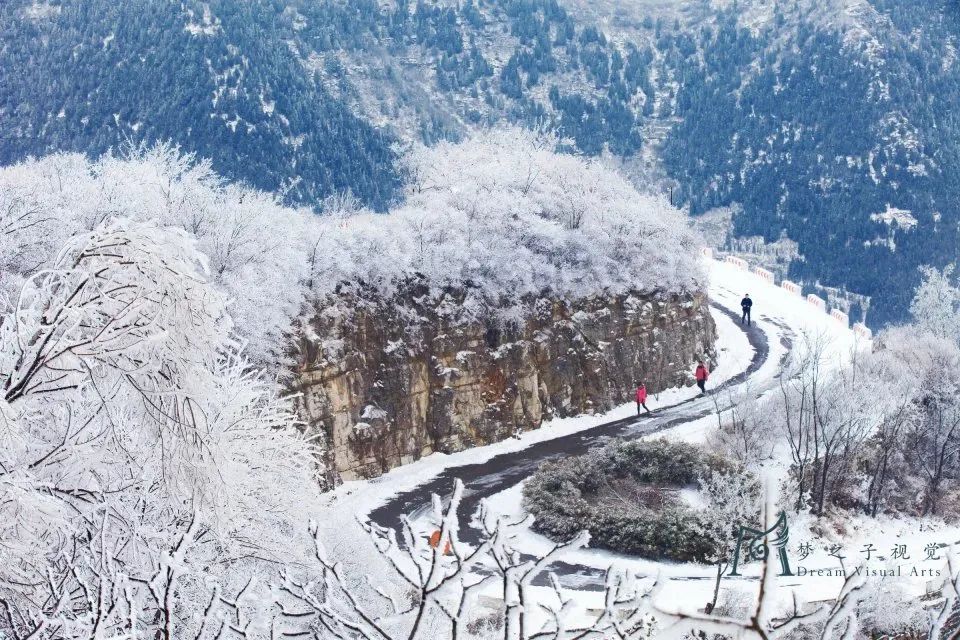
x: 435, y: 542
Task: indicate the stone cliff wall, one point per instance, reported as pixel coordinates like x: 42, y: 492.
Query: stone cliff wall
x: 387, y: 381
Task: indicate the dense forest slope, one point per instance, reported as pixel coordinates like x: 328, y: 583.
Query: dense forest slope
x: 217, y: 79
x: 841, y: 132
x: 828, y: 121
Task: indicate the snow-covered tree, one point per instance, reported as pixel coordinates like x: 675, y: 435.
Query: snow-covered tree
x: 931, y: 440
x: 732, y: 499
x: 826, y: 411
x: 503, y: 216
x: 911, y: 456
x: 141, y: 461
x: 549, y: 221
x: 936, y: 303
x: 744, y: 429
x: 256, y: 249
x: 894, y: 367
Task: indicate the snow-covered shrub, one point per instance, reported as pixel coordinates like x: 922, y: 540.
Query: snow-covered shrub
x: 886, y: 609
x: 745, y: 431
x: 936, y: 303
x: 734, y: 603
x: 673, y: 533
x: 502, y: 216
x: 626, y: 496
x: 555, y: 495
x: 256, y: 250
x: 140, y: 456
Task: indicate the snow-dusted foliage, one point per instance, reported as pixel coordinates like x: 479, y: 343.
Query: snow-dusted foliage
x: 256, y: 249
x: 732, y: 497
x: 506, y: 218
x: 879, y: 433
x: 629, y: 495
x: 914, y: 454
x: 887, y: 609
x: 141, y: 464
x: 503, y: 216
x: 529, y: 219
x: 825, y: 417
x: 743, y: 427
x: 936, y: 304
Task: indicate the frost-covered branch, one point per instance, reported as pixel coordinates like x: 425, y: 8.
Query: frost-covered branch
x: 141, y: 458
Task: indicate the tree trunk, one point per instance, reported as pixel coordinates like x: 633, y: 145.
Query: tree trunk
x: 875, y: 492
x: 716, y: 589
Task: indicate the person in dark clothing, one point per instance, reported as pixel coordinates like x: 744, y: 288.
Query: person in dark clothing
x: 642, y: 398
x: 746, y: 304
x: 701, y: 375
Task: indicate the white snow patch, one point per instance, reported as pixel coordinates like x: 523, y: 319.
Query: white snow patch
x: 208, y: 25
x: 894, y: 217
x: 371, y: 412
x: 41, y: 11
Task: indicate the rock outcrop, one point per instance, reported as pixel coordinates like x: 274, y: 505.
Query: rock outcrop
x: 387, y: 381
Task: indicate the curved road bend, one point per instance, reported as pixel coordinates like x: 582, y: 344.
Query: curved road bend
x: 482, y: 480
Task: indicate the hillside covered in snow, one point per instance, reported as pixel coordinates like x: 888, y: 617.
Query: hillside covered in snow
x: 502, y: 216
x: 811, y: 119
x: 148, y: 311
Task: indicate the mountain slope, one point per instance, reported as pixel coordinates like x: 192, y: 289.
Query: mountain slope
x: 832, y: 122
x: 215, y: 78
x: 844, y: 136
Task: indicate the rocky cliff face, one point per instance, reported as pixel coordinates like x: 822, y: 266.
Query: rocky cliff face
x: 387, y: 381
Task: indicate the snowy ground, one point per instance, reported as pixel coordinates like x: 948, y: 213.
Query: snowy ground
x: 785, y: 318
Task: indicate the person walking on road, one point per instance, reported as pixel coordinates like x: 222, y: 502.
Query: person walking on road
x: 701, y: 375
x: 642, y: 398
x: 746, y: 304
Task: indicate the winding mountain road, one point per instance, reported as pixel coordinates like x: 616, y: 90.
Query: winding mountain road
x: 485, y: 479
x: 750, y: 364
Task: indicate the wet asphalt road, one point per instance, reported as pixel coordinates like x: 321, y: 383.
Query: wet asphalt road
x: 482, y: 480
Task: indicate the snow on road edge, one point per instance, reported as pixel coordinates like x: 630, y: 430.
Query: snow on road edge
x: 362, y: 496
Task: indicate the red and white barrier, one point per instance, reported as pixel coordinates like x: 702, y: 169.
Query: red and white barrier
x: 862, y: 330
x: 840, y: 317
x: 740, y: 263
x: 766, y: 275
x: 792, y: 287
x: 817, y: 301
x: 706, y: 252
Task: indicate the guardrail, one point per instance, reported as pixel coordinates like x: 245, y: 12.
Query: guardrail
x: 840, y: 317
x: 792, y: 287
x: 817, y: 301
x: 764, y: 274
x: 740, y: 263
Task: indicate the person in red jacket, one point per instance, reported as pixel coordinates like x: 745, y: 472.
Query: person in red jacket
x: 701, y: 376
x: 642, y: 398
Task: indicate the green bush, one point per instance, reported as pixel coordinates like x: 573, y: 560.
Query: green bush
x: 564, y: 495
